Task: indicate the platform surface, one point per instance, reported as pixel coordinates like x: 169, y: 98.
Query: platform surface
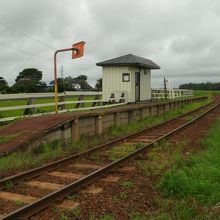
x: 27, y: 129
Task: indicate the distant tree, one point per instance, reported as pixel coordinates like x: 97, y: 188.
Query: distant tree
x: 201, y: 86
x: 60, y: 84
x: 29, y: 80
x: 28, y: 85
x: 81, y: 77
x: 30, y: 73
x: 69, y: 83
x: 3, y: 85
x: 98, y: 85
x: 82, y: 81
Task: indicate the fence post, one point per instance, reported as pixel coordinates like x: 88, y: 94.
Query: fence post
x: 75, y: 129
x: 81, y: 97
x: 62, y: 99
x: 141, y: 113
x: 130, y: 116
x: 97, y: 97
x: 29, y: 111
x: 117, y: 118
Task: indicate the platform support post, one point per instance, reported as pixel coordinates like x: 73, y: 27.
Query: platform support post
x: 98, y: 124
x: 75, y: 129
x: 117, y: 118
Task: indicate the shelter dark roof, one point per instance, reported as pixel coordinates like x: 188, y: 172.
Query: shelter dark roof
x: 129, y: 59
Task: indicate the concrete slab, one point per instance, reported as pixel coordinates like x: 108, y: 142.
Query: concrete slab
x: 73, y: 176
x: 68, y: 204
x: 123, y: 169
x: 110, y: 178
x: 16, y: 197
x: 85, y: 166
x: 44, y: 185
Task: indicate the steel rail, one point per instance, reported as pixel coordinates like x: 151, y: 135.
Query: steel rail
x: 39, y: 170
x: 44, y: 202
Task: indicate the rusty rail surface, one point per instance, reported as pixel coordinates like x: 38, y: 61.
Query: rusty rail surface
x: 42, y: 203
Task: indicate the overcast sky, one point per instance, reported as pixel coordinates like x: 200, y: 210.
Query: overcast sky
x: 183, y: 37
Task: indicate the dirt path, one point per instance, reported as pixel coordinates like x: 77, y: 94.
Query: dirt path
x: 27, y: 129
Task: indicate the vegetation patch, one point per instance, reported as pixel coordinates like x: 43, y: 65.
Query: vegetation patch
x: 7, y: 138
x: 120, y: 151
x: 120, y: 130
x: 199, y: 175
x: 52, y: 151
x: 194, y: 184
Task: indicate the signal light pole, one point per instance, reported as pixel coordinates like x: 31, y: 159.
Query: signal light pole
x: 77, y: 51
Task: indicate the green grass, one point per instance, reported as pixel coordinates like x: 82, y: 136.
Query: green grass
x: 120, y: 151
x: 43, y: 153
x: 127, y: 184
x: 18, y: 202
x: 194, y: 184
x: 119, y: 130
x: 5, y: 139
x: 26, y: 160
x: 120, y: 196
x: 205, y: 93
x: 20, y: 112
x: 106, y: 217
x: 199, y: 176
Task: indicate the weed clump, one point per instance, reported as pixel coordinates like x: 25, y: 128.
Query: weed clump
x: 197, y: 177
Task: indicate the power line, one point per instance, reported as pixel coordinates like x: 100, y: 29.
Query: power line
x: 36, y: 40
x: 42, y: 57
x: 25, y: 52
x: 27, y: 36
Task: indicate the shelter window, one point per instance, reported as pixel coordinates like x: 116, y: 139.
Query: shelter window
x: 126, y: 77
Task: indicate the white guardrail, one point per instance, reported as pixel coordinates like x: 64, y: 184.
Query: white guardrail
x: 93, y: 100
x: 158, y: 94
x: 36, y: 103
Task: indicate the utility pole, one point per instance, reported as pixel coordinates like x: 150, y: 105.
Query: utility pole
x: 165, y: 88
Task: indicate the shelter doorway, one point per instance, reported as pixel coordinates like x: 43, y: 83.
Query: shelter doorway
x: 137, y: 86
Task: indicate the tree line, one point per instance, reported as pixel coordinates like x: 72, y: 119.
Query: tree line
x: 201, y: 86
x: 30, y: 80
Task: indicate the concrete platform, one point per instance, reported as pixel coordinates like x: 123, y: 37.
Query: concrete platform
x: 23, y: 133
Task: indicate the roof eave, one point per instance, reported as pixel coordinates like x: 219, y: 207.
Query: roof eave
x: 128, y: 64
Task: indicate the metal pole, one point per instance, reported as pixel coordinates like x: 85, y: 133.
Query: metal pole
x: 165, y: 88
x: 55, y: 75
x: 55, y: 82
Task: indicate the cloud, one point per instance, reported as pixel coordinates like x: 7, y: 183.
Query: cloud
x: 180, y: 36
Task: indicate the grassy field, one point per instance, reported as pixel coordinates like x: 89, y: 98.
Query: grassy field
x: 56, y: 150
x: 20, y: 112
x: 208, y: 93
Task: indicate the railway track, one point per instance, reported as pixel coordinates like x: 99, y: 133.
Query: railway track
x: 36, y: 189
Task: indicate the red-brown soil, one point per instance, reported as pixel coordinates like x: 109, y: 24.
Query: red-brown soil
x: 29, y: 129
x: 120, y: 201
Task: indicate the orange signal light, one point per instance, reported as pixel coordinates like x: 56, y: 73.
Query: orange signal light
x: 78, y: 50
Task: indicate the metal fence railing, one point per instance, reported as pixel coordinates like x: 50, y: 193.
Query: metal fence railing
x: 159, y: 94
x: 13, y: 106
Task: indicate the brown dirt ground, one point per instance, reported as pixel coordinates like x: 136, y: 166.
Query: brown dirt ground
x: 120, y: 201
x: 28, y: 129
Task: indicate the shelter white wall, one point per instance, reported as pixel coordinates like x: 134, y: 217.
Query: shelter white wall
x: 145, y: 85
x: 112, y: 82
